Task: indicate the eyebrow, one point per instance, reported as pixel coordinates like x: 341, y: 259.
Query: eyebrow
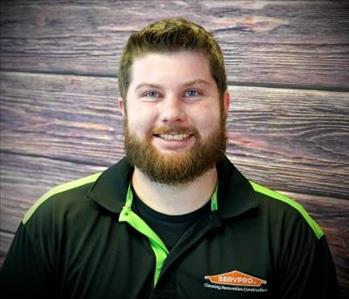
x: 148, y: 85
x: 156, y: 86
x: 197, y: 81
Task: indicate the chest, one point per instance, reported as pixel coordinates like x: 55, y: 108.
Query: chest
x: 220, y: 263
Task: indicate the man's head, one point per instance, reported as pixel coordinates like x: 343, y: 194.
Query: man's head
x: 171, y: 35
x: 174, y: 109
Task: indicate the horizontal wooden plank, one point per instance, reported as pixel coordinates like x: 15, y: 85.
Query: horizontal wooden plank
x: 61, y: 115
x: 25, y: 178
x: 298, y: 138
x: 296, y: 43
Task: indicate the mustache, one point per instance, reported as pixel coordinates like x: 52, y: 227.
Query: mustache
x: 174, y: 129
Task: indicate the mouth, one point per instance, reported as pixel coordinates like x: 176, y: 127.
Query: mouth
x: 173, y: 137
x: 173, y: 140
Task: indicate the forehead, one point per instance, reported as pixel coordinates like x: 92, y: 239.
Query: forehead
x: 181, y: 66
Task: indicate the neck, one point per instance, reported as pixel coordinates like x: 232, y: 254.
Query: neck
x: 175, y: 199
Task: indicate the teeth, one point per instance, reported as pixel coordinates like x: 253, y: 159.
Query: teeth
x: 178, y: 137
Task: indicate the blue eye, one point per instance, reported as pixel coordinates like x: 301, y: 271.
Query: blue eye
x: 192, y: 93
x: 151, y: 94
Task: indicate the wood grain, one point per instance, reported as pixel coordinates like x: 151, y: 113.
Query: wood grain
x: 63, y: 117
x: 297, y: 137
x: 24, y: 179
x: 265, y: 43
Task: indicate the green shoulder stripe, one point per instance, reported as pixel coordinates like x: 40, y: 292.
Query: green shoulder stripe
x: 314, y: 226
x: 59, y: 189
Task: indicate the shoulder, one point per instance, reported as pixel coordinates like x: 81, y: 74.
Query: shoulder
x: 285, y: 209
x: 61, y: 197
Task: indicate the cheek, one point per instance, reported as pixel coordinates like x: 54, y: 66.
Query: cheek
x: 209, y: 126
x: 139, y: 123
x: 207, y: 119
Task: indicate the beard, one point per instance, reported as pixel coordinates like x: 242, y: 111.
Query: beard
x: 177, y: 167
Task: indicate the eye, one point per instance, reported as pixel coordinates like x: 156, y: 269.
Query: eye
x: 151, y: 94
x: 191, y: 93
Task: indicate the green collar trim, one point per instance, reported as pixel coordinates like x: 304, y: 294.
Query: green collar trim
x: 214, y: 199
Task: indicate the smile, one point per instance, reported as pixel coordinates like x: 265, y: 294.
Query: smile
x: 174, y: 137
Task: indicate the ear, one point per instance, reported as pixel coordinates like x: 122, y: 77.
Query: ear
x: 122, y: 106
x: 226, y: 102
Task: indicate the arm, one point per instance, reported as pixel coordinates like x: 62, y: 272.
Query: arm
x: 313, y: 275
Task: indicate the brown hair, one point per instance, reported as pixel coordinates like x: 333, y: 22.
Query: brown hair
x: 170, y: 35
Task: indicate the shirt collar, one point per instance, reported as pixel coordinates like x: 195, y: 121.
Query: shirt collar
x: 110, y: 189
x: 235, y: 194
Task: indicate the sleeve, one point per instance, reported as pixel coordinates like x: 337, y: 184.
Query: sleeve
x: 25, y: 272
x: 313, y: 275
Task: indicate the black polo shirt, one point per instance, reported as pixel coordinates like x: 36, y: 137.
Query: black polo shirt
x: 84, y: 240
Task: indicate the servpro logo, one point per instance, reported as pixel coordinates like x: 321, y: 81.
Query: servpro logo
x: 235, y: 281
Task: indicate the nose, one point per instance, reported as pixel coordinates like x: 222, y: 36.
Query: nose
x: 172, y: 110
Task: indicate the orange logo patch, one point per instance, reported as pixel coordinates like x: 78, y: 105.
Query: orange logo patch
x: 236, y: 278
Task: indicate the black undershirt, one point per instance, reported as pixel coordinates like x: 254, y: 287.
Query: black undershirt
x: 168, y: 227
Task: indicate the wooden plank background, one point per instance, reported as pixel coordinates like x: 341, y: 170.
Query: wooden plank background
x: 288, y: 73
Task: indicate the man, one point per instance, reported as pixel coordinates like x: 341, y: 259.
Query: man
x: 174, y: 218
